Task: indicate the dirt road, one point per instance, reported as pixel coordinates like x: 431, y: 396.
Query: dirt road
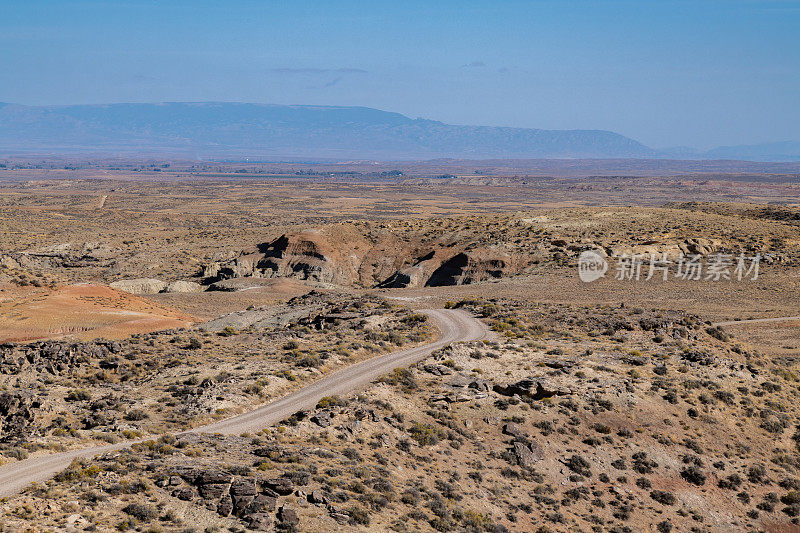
x: 454, y: 326
x: 756, y: 320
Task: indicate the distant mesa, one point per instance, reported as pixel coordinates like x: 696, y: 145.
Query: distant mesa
x: 225, y: 129
x: 779, y: 151
x: 217, y: 129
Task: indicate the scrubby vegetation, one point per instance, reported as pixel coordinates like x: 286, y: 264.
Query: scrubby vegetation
x: 553, y: 425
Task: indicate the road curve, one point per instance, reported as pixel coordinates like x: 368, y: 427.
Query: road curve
x: 454, y: 325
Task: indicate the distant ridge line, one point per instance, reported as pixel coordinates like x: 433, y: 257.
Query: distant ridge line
x: 230, y: 129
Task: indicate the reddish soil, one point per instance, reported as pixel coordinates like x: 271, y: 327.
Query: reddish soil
x: 81, y: 311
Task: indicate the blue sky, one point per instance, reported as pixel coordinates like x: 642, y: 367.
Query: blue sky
x: 699, y: 73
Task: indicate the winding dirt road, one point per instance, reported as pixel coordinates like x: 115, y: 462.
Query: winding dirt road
x: 454, y: 325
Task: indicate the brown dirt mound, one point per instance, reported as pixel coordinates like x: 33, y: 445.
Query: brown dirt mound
x: 81, y: 311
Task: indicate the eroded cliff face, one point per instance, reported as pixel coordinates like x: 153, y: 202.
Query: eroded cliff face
x: 474, y: 266
x: 458, y: 251
x: 306, y: 255
x: 351, y: 259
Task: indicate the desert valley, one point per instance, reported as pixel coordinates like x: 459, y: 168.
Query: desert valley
x: 144, y: 314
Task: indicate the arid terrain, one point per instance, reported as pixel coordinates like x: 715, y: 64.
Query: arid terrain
x: 139, y: 301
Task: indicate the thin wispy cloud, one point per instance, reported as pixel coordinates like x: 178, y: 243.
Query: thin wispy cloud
x: 351, y: 70
x: 309, y: 70
x: 298, y: 70
x: 474, y: 64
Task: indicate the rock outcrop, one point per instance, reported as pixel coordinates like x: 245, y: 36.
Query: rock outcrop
x: 183, y: 286
x: 390, y: 258
x: 155, y: 286
x: 471, y: 267
x: 54, y: 357
x: 16, y: 415
x: 67, y: 255
x: 349, y: 259
x: 247, y: 498
x: 307, y: 255
x: 527, y: 453
x: 139, y: 286
x: 535, y: 389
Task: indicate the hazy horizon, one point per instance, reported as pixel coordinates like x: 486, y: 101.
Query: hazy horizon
x: 673, y: 73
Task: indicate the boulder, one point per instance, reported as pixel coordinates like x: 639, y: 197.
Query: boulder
x: 558, y: 364
x: 460, y: 380
x: 225, y: 505
x: 259, y: 522
x: 214, y: 477
x: 243, y: 486
x: 536, y: 389
x: 76, y: 522
x: 316, y: 497
x: 241, y: 504
x: 213, y: 491
x: 9, y: 262
x: 441, y: 398
x: 480, y: 385
x: 184, y: 493
x: 287, y: 515
x: 700, y: 246
x: 341, y: 518
x: 527, y: 454
x: 513, y: 430
x: 281, y: 485
x: 438, y: 370
x: 213, y: 484
x: 470, y: 382
x: 211, y: 270
x: 323, y: 419
x: 243, y: 490
x: 262, y: 504
x: 139, y: 286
